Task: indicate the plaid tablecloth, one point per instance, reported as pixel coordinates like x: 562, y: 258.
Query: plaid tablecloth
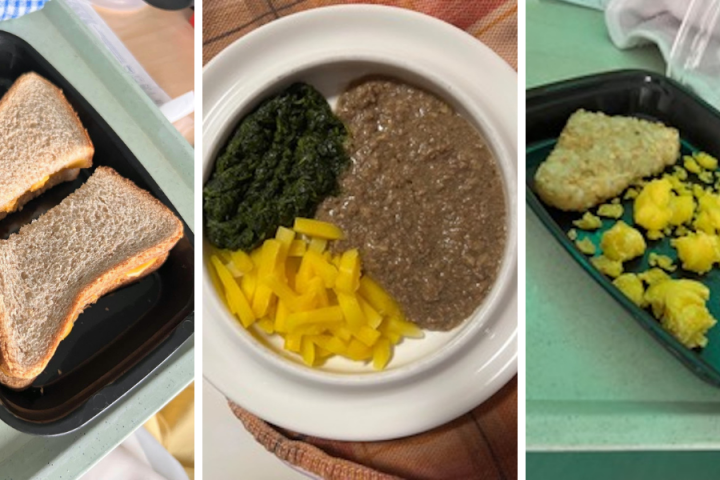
x: 481, y: 444
x: 494, y: 22
x: 17, y: 8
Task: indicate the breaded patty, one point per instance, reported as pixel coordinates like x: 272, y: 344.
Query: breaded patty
x: 598, y: 156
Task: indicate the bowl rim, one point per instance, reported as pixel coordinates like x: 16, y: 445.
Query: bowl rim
x: 223, y: 117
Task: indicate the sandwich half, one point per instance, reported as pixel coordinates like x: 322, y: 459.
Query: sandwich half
x: 42, y: 142
x: 106, y: 234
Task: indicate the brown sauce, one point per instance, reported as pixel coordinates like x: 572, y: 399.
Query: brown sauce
x: 423, y: 201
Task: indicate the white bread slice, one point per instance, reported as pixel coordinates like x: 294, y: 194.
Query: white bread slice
x: 93, y: 242
x: 42, y: 142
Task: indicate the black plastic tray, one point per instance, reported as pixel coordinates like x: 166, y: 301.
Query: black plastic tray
x: 126, y: 335
x: 631, y: 93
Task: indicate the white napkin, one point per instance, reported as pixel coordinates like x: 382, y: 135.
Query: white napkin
x: 139, y: 457
x: 687, y: 32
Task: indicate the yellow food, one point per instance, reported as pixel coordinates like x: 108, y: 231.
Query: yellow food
x: 136, y: 272
x: 683, y: 208
x: 622, y: 242
x: 698, y: 252
x: 38, y: 185
x: 662, y: 261
x: 680, y: 173
x: 348, y: 279
x: 680, y: 307
x: 653, y: 276
x: 297, y: 248
x: 670, y: 205
x: 242, y: 261
x: 588, y: 222
x: 698, y: 191
x: 630, y: 193
x: 706, y: 160
x: 586, y: 246
x: 708, y: 216
x: 320, y: 304
x: 678, y: 184
x: 318, y: 229
x: 572, y: 234
x: 317, y: 245
x: 652, y: 209
x: 691, y: 165
x: 611, y: 268
x: 610, y: 210
x: 706, y: 177
x: 632, y: 287
x: 657, y: 207
x: 236, y: 300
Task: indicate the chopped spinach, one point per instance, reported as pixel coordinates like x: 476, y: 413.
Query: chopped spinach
x: 282, y: 161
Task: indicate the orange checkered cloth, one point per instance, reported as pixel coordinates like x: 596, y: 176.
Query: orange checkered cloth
x: 481, y: 444
x: 493, y: 22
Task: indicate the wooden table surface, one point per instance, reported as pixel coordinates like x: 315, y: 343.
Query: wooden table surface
x: 162, y: 41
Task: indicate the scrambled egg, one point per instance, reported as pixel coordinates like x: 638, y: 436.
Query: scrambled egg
x: 680, y: 173
x: 698, y: 252
x: 653, y: 276
x: 671, y: 205
x: 657, y: 207
x: 708, y: 216
x: 680, y: 307
x: 706, y: 160
x: 681, y: 231
x: 691, y: 165
x: 631, y: 285
x: 585, y: 246
x: 611, y: 210
x: 630, y: 193
x: 611, y: 268
x: 622, y: 242
x: 588, y: 222
x: 652, y: 206
x: 662, y: 261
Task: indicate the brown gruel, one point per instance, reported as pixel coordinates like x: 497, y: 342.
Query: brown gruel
x: 423, y: 201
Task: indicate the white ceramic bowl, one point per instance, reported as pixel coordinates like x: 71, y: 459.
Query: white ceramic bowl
x: 230, y: 94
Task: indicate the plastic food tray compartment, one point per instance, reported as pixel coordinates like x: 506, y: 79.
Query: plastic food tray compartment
x: 127, y: 334
x: 644, y: 95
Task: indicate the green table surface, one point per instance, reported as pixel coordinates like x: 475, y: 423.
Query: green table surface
x: 72, y: 49
x: 595, y: 380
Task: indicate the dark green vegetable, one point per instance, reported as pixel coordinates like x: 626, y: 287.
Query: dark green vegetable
x: 282, y: 161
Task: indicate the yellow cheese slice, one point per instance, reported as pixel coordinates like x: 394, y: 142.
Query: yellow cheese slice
x: 38, y: 185
x: 136, y: 272
x: 67, y: 331
x: 9, y: 207
x: 78, y: 164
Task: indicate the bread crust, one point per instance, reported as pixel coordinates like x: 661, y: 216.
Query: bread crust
x: 84, y: 155
x: 21, y: 376
x: 63, y: 176
x: 109, y: 282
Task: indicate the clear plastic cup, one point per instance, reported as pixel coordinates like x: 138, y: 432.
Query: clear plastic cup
x: 694, y: 58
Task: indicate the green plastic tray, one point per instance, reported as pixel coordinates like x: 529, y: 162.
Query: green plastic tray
x: 704, y: 362
x: 595, y: 380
